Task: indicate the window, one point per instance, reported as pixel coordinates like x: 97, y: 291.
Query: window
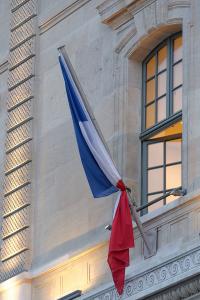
x: 162, y: 121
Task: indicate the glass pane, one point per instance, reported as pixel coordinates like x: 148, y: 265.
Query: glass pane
x: 150, y: 115
x: 173, y: 151
x: 162, y: 59
x: 151, y: 67
x: 171, y: 198
x: 178, y: 49
x: 155, y: 154
x: 150, y: 90
x: 155, y: 180
x: 162, y: 79
x: 177, y: 100
x: 173, y: 176
x: 171, y: 130
x: 156, y: 205
x: 177, y: 75
x: 161, y: 109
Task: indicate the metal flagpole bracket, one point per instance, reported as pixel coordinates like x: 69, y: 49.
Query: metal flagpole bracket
x: 152, y: 238
x: 108, y: 227
x: 149, y: 237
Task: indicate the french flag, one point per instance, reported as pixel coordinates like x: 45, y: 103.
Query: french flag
x: 102, y: 176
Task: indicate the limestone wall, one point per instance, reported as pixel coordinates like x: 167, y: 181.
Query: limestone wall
x: 106, y: 42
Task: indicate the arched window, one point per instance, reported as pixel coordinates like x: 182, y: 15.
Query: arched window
x: 162, y: 121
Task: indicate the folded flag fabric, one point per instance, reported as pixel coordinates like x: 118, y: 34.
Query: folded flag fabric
x: 102, y: 176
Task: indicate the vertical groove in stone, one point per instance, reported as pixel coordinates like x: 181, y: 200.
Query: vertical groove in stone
x: 18, y: 160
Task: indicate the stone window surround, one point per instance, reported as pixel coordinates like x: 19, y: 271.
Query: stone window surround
x: 134, y: 41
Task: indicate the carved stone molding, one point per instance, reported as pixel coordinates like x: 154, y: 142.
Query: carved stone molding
x: 51, y: 21
x: 15, y: 250
x: 183, y: 290
x: 171, y: 271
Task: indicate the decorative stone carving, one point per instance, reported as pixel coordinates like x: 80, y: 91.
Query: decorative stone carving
x: 22, y: 53
x: 22, y: 34
x: 160, y: 274
x: 18, y: 136
x: 23, y: 13
x: 20, y: 114
x: 181, y: 291
x: 17, y: 185
x: 20, y: 94
x: 20, y: 73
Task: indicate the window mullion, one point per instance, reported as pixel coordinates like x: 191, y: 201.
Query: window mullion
x: 145, y: 177
x: 156, y: 89
x: 164, y: 171
x: 144, y: 98
x: 169, y: 72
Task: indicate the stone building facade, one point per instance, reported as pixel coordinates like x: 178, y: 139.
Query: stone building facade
x: 53, y: 240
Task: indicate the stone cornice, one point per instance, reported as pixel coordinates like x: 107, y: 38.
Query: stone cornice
x: 118, y: 12
x: 47, y: 22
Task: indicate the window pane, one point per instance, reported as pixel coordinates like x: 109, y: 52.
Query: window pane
x: 171, y: 130
x: 155, y: 180
x: 156, y: 205
x: 177, y: 100
x: 155, y: 154
x: 178, y: 49
x: 173, y: 176
x: 161, y: 106
x: 150, y: 90
x: 162, y: 59
x: 151, y: 67
x: 150, y: 115
x: 177, y: 75
x: 171, y: 198
x: 162, y: 79
x: 173, y: 151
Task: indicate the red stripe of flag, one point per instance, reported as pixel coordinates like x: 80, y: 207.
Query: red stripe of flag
x: 121, y: 240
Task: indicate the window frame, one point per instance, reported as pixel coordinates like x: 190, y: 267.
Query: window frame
x: 171, y: 118
x: 146, y: 143
x: 169, y: 85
